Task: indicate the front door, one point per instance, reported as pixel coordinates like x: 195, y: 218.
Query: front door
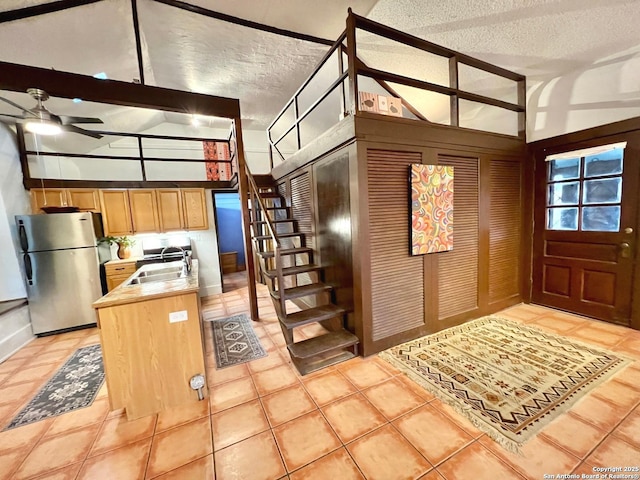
x: 585, y: 231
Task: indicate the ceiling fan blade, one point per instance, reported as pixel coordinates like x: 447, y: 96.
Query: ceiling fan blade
x: 19, y: 107
x: 81, y: 131
x: 66, y: 120
x: 19, y: 117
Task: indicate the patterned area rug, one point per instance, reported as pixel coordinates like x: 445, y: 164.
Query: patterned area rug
x: 235, y: 341
x: 509, y: 379
x: 74, y: 386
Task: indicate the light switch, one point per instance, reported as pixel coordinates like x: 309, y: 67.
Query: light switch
x: 180, y: 316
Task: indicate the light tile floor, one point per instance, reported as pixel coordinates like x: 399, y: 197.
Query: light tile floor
x: 360, y: 419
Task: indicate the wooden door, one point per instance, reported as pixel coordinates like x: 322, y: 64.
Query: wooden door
x: 116, y: 214
x: 195, y: 209
x: 144, y: 211
x: 50, y: 197
x: 170, y: 212
x: 85, y: 199
x: 585, y: 233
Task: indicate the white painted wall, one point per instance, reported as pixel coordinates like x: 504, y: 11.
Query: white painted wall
x: 15, y: 327
x: 593, y: 95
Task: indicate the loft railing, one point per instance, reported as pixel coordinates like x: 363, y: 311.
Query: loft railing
x: 349, y: 80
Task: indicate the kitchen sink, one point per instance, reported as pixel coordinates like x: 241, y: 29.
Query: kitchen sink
x: 159, y: 275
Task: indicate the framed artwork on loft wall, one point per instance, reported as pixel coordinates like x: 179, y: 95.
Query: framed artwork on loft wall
x: 431, y: 208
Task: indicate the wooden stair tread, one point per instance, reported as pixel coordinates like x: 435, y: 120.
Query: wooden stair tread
x: 286, y: 251
x: 272, y: 208
x: 270, y: 195
x: 302, y: 291
x: 323, y: 344
x: 309, y: 267
x: 311, y: 364
x: 283, y: 220
x: 280, y: 235
x: 310, y: 315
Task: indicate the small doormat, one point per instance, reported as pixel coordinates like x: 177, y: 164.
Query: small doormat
x: 508, y: 379
x: 235, y: 341
x: 75, y: 385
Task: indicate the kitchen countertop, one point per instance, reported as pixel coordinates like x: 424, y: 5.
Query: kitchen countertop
x: 123, y: 260
x: 125, y: 293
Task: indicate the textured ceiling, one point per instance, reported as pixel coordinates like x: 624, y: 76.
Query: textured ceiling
x: 543, y: 39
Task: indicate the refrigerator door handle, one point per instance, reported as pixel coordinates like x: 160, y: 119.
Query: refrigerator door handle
x: 28, y: 268
x: 22, y: 234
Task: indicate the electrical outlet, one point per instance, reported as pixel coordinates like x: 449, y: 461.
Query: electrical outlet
x: 179, y: 316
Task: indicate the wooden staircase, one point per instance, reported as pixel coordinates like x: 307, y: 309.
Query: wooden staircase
x: 286, y: 265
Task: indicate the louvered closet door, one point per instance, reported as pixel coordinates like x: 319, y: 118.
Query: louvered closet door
x: 505, y: 231
x: 397, y: 278
x: 458, y: 268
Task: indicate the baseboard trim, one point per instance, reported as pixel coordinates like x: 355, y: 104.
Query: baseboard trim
x: 15, y: 342
x: 207, y: 290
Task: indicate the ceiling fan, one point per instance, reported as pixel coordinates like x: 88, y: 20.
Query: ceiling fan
x: 41, y: 121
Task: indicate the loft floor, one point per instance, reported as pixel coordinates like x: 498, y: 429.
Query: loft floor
x: 264, y: 421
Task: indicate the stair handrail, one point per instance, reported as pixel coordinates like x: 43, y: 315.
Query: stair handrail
x: 254, y: 192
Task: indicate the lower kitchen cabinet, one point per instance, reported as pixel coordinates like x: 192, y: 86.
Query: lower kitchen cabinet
x: 117, y: 271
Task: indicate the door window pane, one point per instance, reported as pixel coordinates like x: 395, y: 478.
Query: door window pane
x: 608, y: 163
x: 601, y: 219
x: 562, y: 218
x: 564, y: 169
x: 603, y: 191
x: 565, y: 193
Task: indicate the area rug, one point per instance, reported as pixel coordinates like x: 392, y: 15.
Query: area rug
x: 75, y: 385
x: 235, y: 342
x: 508, y: 379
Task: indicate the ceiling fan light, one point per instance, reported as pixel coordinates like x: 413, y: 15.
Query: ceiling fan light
x: 42, y: 127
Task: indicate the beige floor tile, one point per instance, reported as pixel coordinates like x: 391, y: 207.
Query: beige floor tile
x: 25, y: 436
x: 305, y: 439
x: 57, y: 452
x: 618, y: 393
x: 287, y: 404
x: 9, y: 462
x: 95, y: 413
x: 124, y: 463
x: 538, y: 456
x: 456, y: 417
x: 256, y: 458
x: 57, y: 357
x: 596, y: 336
x: 629, y: 376
x: 365, y: 375
x: 615, y: 452
x: 19, y: 392
x: 230, y: 394
x: 66, y: 473
x: 117, y: 432
x: 68, y: 344
x: 181, y: 415
x: 384, y: 454
x: 201, y: 469
x: 583, y: 439
x: 353, y: 416
x: 476, y: 463
x: 179, y: 446
x: 629, y: 429
x: 629, y: 347
x: 558, y: 325
x: 28, y: 351
x: 432, y: 475
x: 432, y: 433
x: 11, y: 365
x: 329, y: 387
x: 238, y: 423
x: 584, y: 469
x: 274, y: 379
x: 336, y: 465
x: 392, y: 398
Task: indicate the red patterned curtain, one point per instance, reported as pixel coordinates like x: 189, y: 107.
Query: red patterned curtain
x: 213, y: 152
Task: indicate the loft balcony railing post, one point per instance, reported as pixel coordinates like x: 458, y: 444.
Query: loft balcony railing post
x: 343, y: 94
x: 453, y: 99
x: 297, y: 120
x: 522, y: 102
x: 352, y: 67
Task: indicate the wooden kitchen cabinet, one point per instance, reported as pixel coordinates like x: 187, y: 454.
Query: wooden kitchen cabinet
x: 144, y: 210
x: 85, y: 199
x: 170, y: 211
x: 117, y: 271
x: 116, y: 212
x: 195, y: 209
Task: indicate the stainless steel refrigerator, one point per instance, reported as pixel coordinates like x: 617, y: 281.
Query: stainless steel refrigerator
x: 61, y: 269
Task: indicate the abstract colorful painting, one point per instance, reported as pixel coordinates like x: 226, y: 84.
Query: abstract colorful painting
x: 431, y: 209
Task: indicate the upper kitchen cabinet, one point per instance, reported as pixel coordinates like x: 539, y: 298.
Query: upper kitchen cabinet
x: 195, y: 209
x: 47, y: 197
x: 144, y: 211
x: 116, y: 212
x: 170, y: 209
x: 85, y: 199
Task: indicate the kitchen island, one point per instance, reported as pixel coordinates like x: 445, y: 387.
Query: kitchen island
x: 152, y: 341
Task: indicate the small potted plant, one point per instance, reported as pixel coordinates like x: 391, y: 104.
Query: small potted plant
x: 124, y: 244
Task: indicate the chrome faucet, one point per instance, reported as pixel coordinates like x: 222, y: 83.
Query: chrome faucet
x: 186, y: 258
